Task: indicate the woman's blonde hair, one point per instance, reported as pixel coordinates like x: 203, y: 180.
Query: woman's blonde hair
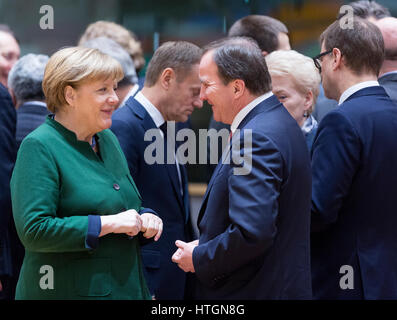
x: 299, y: 67
x: 121, y: 35
x: 73, y: 66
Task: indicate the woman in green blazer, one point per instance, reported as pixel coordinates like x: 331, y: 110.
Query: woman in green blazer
x: 76, y: 208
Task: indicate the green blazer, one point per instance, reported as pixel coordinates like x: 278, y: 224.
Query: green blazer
x: 57, y: 182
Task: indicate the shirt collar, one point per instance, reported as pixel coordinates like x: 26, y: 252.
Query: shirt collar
x: 353, y: 89
x: 154, y: 113
x: 244, y: 111
x: 36, y: 102
x: 309, y: 124
x: 129, y: 94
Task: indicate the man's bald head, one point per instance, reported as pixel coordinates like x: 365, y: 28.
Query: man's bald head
x: 388, y: 27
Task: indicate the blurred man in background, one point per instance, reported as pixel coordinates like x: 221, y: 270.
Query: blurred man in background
x: 9, y: 52
x: 25, y: 85
x: 388, y: 72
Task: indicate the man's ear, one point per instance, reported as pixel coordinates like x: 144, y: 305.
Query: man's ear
x: 264, y: 53
x: 70, y: 95
x: 167, y: 77
x: 337, y: 58
x: 239, y: 88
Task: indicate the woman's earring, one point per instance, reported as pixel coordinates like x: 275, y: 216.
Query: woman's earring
x: 306, y: 114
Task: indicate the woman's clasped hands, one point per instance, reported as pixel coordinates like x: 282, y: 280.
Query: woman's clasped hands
x: 131, y: 223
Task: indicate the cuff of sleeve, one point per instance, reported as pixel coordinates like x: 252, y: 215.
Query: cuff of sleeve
x: 94, y: 229
x: 147, y: 210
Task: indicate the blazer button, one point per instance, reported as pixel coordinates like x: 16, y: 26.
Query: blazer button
x: 116, y: 187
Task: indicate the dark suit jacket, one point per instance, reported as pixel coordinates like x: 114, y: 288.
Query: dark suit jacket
x: 7, y: 160
x: 30, y: 115
x: 389, y: 82
x: 160, y: 191
x: 354, y: 204
x: 254, y: 241
x: 217, y: 126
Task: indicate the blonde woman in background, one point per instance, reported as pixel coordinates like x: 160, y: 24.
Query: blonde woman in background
x: 295, y: 82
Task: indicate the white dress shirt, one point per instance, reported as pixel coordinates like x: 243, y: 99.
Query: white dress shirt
x: 158, y: 120
x: 355, y: 88
x: 244, y: 111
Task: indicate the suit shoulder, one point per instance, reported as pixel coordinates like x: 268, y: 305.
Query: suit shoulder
x: 125, y: 114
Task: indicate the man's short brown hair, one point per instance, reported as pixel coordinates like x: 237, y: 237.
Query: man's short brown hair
x: 241, y: 58
x: 263, y: 29
x: 362, y: 46
x: 180, y: 56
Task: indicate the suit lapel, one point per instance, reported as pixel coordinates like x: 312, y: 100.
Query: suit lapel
x: 147, y: 124
x: 223, y: 161
x: 270, y: 102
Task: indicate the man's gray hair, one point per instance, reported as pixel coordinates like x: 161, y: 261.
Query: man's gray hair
x: 26, y: 77
x: 113, y: 49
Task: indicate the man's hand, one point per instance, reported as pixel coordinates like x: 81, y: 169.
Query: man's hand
x: 183, y: 256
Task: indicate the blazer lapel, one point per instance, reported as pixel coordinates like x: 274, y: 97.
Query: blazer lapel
x: 147, y: 124
x: 270, y: 102
x: 222, y: 161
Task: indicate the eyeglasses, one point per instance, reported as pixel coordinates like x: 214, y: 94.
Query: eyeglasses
x: 317, y: 59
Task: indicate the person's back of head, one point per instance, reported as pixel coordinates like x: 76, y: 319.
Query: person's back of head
x: 121, y: 35
x: 366, y: 9
x: 180, y: 56
x: 241, y: 58
x: 26, y: 76
x: 113, y: 49
x: 361, y: 47
x: 270, y: 34
x: 388, y: 27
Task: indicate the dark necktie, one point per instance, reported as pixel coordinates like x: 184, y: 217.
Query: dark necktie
x: 163, y: 128
x: 181, y: 182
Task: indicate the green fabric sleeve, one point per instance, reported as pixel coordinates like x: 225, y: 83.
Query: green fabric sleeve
x: 35, y: 186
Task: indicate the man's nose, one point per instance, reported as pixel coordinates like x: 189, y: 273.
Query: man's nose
x: 197, y: 102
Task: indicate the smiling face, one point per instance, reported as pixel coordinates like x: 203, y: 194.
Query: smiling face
x: 183, y: 97
x: 214, y: 91
x: 92, y: 104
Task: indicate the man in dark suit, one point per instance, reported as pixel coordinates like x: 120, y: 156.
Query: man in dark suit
x: 171, y: 92
x: 354, y: 158
x: 7, y: 159
x: 25, y: 84
x: 254, y: 221
x: 388, y: 72
x: 370, y: 10
x: 270, y: 34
